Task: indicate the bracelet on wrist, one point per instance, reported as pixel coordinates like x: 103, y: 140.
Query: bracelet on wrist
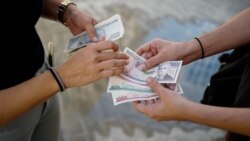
x: 57, y: 78
x: 201, y: 46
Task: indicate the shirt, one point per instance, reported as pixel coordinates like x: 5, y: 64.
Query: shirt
x: 22, y: 53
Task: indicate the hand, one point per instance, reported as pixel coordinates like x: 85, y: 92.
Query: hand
x: 92, y: 63
x: 170, y: 105
x: 79, y: 21
x: 158, y: 50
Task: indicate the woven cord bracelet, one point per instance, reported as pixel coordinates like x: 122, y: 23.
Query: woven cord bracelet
x: 201, y: 46
x: 57, y: 78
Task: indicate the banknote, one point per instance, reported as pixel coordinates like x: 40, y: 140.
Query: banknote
x: 166, y: 72
x: 124, y: 97
x: 123, y: 90
x: 117, y: 84
x: 111, y: 28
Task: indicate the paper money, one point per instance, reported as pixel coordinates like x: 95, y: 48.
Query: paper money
x: 112, y: 29
x: 123, y: 90
x: 166, y: 72
x: 132, y: 86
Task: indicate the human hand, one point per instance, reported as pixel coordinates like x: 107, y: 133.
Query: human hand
x: 92, y: 63
x: 78, y: 21
x: 169, y: 106
x: 158, y: 50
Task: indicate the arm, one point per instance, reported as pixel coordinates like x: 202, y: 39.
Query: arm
x: 232, y: 119
x: 172, y: 106
x: 75, y: 19
x: 233, y: 34
x: 18, y: 99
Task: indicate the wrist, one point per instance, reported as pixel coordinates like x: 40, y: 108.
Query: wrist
x: 63, y: 74
x: 64, y: 10
x: 192, y: 51
x: 70, y: 12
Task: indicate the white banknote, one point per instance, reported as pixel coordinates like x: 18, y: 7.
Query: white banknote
x: 124, y: 91
x: 111, y: 28
x: 166, y: 72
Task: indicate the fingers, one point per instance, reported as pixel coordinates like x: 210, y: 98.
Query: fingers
x: 110, y: 72
x: 149, y: 102
x: 150, y: 62
x: 94, y: 21
x: 155, y: 86
x: 143, y: 49
x: 150, y: 52
x: 91, y: 32
x: 113, y: 63
x: 105, y: 45
x: 150, y: 47
x: 111, y: 55
x: 140, y: 107
x: 154, y: 48
x: 90, y: 29
x: 148, y: 55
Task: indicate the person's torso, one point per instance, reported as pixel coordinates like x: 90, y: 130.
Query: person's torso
x: 22, y: 53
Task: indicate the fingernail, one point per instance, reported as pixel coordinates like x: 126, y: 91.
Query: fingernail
x: 149, y: 79
x: 142, y: 67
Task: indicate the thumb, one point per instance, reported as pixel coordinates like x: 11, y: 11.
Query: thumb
x: 155, y: 86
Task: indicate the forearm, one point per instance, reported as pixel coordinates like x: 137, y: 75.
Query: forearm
x: 233, y: 34
x: 18, y: 99
x: 231, y: 119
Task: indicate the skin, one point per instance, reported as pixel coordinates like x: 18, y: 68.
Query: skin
x: 75, y: 19
x: 171, y: 105
x: 87, y: 65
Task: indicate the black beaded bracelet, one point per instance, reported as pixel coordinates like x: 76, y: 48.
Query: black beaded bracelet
x: 202, y: 49
x: 58, y: 79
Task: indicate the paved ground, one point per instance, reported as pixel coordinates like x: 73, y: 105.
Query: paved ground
x: 88, y: 113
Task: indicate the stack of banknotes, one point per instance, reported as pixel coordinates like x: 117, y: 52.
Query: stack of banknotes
x: 132, y: 86
x: 111, y: 28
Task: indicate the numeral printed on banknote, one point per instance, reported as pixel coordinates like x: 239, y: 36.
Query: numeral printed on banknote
x: 112, y: 29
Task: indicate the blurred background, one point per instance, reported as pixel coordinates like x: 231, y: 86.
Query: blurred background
x: 88, y: 113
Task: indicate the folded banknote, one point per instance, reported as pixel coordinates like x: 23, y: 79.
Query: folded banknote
x: 111, y: 28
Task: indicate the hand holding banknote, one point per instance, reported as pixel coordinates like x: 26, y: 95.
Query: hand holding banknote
x: 158, y: 51
x: 132, y: 86
x: 111, y: 29
x: 79, y: 21
x: 168, y: 106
